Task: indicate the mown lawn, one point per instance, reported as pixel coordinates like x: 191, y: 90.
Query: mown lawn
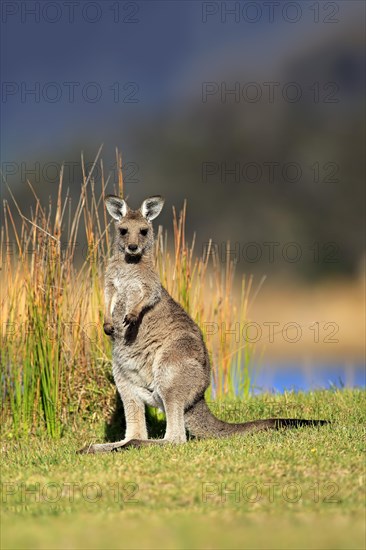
x: 300, y: 488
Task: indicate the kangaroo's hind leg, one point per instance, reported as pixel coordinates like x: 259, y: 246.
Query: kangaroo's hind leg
x: 175, y: 430
x: 175, y: 433
x: 176, y: 385
x: 134, y: 409
x: 173, y: 400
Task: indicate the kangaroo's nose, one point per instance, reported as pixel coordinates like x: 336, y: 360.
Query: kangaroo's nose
x: 132, y: 247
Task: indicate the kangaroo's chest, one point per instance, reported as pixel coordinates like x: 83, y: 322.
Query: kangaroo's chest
x: 121, y: 295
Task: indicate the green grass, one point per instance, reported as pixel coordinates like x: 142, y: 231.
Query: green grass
x: 300, y: 488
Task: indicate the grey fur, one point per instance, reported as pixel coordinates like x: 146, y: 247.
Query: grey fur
x: 159, y: 357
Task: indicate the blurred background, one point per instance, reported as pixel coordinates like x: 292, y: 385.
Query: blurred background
x: 252, y: 111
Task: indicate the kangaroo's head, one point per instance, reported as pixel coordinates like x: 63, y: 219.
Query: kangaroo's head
x: 134, y: 231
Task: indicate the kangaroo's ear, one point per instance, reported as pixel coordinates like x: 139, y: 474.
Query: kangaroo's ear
x: 116, y: 206
x: 152, y: 207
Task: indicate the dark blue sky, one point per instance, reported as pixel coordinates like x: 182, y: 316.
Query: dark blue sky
x: 165, y: 49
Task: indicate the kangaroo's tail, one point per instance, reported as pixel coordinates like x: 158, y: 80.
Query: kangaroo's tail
x: 202, y: 423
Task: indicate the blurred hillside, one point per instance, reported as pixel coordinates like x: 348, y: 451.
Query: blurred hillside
x: 259, y: 126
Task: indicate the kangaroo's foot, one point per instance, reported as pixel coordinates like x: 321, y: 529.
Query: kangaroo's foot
x: 100, y: 448
x: 108, y: 328
x: 138, y: 443
x: 124, y: 445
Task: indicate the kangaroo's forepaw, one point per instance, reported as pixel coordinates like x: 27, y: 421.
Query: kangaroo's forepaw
x: 108, y: 329
x: 130, y: 319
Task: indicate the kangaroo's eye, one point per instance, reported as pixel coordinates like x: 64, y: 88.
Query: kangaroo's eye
x: 143, y: 232
x: 123, y: 231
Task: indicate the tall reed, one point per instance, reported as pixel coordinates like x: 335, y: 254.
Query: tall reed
x: 55, y: 359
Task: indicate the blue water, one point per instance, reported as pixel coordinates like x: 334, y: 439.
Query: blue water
x: 280, y: 377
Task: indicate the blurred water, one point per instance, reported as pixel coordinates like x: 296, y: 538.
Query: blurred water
x: 290, y: 376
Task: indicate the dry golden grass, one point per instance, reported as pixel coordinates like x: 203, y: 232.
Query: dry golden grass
x: 55, y: 358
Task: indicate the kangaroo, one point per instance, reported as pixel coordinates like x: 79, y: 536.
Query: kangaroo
x: 159, y: 357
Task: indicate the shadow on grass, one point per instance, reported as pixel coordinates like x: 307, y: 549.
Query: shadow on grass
x: 115, y: 427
